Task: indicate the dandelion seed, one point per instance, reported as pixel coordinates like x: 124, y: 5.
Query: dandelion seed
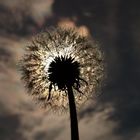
x: 57, y: 58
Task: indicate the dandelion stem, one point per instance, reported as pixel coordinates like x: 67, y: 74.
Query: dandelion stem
x: 73, y: 115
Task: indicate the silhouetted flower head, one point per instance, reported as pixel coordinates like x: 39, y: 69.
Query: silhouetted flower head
x: 59, y: 58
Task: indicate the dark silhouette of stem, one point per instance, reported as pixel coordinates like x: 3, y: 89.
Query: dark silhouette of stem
x: 73, y: 115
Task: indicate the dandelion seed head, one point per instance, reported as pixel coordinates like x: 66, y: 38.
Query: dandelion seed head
x: 57, y: 58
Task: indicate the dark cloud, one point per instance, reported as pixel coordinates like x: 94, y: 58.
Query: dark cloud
x: 9, y: 125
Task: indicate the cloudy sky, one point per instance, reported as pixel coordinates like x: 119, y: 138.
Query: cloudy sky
x: 115, y: 113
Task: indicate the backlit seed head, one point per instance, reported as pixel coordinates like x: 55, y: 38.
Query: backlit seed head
x: 59, y: 58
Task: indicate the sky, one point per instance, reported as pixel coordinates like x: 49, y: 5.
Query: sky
x: 114, y: 114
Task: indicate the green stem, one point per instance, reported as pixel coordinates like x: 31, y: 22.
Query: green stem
x: 73, y: 115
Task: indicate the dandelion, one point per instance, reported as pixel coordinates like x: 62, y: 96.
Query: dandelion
x: 61, y: 70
